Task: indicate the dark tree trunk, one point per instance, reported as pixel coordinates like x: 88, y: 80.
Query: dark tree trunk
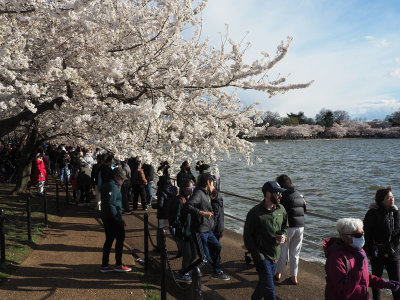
x: 25, y: 162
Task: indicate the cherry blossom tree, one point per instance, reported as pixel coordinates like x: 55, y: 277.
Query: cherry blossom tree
x: 121, y: 75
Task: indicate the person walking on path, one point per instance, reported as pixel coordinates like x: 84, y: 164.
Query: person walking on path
x: 182, y: 222
x: 265, y: 229
x: 199, y: 206
x: 347, y: 275
x: 295, y: 206
x: 114, y: 226
x: 382, y: 237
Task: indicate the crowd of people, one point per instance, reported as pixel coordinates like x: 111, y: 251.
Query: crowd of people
x: 194, y: 212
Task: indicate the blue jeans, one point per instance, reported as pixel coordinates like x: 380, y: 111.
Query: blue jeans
x: 149, y: 194
x: 265, y: 287
x: 65, y: 172
x: 212, y: 249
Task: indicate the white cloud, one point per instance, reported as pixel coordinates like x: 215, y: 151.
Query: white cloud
x: 384, y: 43
x: 397, y: 60
x: 383, y: 106
x: 395, y: 73
x: 369, y: 37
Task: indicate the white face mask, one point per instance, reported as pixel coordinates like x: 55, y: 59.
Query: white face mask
x: 358, y: 243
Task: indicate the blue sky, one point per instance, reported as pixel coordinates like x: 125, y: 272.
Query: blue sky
x: 350, y: 48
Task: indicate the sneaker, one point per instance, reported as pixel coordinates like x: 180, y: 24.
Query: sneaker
x: 220, y: 276
x: 107, y: 269
x: 126, y: 212
x: 183, y: 278
x: 122, y: 268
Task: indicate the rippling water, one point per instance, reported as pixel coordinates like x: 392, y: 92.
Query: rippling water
x: 338, y: 178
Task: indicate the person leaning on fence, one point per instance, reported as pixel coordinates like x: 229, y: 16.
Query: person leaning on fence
x: 182, y: 222
x: 199, y: 206
x: 295, y: 206
x: 264, y: 232
x: 347, y: 275
x: 382, y: 237
x: 114, y: 226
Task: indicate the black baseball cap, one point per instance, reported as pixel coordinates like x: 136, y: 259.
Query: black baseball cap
x: 272, y: 187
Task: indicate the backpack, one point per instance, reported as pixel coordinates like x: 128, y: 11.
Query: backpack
x: 172, y: 209
x: 346, y: 262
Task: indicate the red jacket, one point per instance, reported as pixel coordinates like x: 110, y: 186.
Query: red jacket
x: 351, y: 281
x: 40, y: 173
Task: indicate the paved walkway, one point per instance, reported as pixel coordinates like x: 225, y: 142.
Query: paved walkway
x: 66, y: 265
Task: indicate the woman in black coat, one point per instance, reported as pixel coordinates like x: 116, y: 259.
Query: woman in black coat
x: 382, y: 237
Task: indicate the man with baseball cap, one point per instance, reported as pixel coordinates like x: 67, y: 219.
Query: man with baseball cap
x: 114, y: 226
x: 264, y: 232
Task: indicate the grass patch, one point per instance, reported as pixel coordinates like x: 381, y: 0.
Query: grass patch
x: 18, y: 248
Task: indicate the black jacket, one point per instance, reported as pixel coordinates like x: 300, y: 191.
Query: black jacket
x: 165, y: 197
x: 218, y: 208
x: 148, y: 172
x: 382, y: 232
x: 295, y: 206
x: 182, y: 175
x: 200, y: 201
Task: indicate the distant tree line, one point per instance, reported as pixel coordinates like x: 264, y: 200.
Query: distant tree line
x: 326, y: 124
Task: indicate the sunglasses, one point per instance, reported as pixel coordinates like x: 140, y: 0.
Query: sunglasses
x: 278, y: 193
x: 356, y: 235
x: 190, y: 188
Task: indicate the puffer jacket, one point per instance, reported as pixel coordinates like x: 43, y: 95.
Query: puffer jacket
x: 382, y: 232
x: 347, y: 280
x: 200, y: 200
x: 295, y: 206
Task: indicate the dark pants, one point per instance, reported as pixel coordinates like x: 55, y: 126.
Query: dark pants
x: 265, y: 287
x: 139, y: 190
x: 113, y: 230
x: 125, y: 195
x: 393, y: 270
x: 85, y: 193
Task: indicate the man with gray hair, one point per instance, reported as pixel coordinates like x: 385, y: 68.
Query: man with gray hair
x: 346, y: 264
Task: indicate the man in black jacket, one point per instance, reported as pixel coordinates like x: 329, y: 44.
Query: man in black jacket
x: 295, y: 206
x: 200, y: 207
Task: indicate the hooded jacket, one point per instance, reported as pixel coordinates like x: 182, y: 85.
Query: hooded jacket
x: 165, y: 197
x: 382, y: 232
x: 347, y: 280
x: 200, y: 200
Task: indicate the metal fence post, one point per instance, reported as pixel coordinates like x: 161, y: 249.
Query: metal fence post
x: 57, y: 199
x: 45, y: 209
x: 2, y: 238
x: 163, y: 265
x: 146, y: 241
x: 28, y: 215
x: 196, y: 284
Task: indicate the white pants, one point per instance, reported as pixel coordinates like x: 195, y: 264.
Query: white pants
x: 292, y: 246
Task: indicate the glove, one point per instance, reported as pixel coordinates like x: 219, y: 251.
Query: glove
x: 392, y: 285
